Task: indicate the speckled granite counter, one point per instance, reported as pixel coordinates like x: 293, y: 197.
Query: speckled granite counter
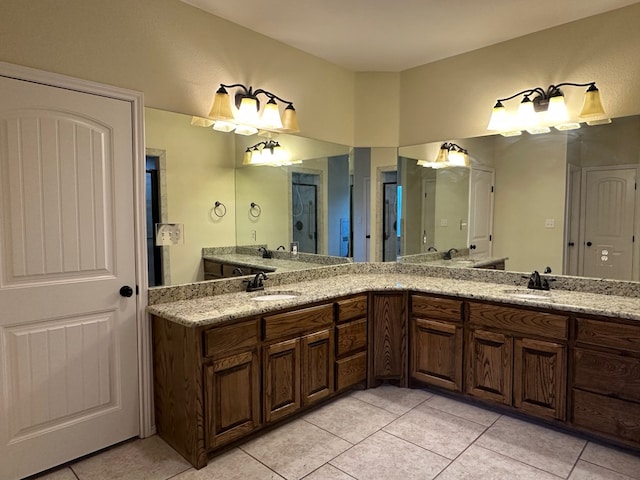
x: 253, y: 261
x: 356, y: 278
x: 465, y: 261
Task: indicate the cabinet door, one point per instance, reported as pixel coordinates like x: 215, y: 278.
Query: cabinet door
x: 232, y: 388
x: 436, y: 353
x: 490, y: 366
x: 317, y: 366
x: 389, y: 340
x: 281, y: 379
x: 539, y: 385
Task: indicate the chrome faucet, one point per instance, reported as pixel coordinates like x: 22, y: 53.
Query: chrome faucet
x: 256, y: 283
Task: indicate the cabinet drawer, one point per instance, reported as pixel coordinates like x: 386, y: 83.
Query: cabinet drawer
x: 297, y: 322
x: 352, y: 337
x: 607, y: 415
x: 221, y: 340
x: 212, y: 268
x: 607, y: 374
x: 519, y: 320
x: 609, y: 334
x: 230, y: 270
x: 349, y: 308
x: 351, y: 370
x: 436, y: 308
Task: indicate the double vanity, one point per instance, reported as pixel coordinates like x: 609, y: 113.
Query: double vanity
x: 228, y: 363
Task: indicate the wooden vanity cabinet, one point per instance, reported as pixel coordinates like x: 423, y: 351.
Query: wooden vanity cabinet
x: 298, y: 359
x: 388, y: 339
x: 351, y: 342
x: 605, y: 384
x: 436, y: 341
x: 232, y: 382
x: 517, y: 357
x: 214, y: 270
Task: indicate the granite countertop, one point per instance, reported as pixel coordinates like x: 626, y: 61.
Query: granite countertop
x: 464, y: 261
x: 221, y: 308
x: 253, y: 261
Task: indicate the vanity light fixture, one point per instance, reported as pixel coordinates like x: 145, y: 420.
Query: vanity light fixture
x: 449, y: 155
x: 244, y: 116
x: 541, y: 109
x: 268, y: 152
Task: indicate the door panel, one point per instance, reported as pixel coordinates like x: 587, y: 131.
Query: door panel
x: 610, y: 213
x: 480, y: 211
x: 68, y: 368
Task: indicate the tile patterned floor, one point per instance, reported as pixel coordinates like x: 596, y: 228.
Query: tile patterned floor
x: 385, y: 433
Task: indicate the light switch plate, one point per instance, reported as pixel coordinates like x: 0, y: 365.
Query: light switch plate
x: 168, y: 234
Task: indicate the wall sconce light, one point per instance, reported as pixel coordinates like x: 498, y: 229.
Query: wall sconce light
x: 546, y: 109
x: 244, y: 117
x: 268, y: 152
x: 449, y: 155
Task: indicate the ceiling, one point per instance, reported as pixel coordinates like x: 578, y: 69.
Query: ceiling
x: 391, y: 36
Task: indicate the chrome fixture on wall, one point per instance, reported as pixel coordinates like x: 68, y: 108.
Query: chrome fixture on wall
x: 541, y: 109
x: 449, y: 155
x: 245, y: 118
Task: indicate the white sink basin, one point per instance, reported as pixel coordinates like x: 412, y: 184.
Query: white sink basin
x: 275, y: 296
x: 530, y: 295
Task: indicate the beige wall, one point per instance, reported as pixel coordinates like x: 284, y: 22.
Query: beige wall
x: 199, y: 171
x: 452, y: 98
x: 177, y: 55
x: 377, y: 109
x: 530, y: 188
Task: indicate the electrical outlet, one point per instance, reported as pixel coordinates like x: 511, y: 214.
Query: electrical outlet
x: 550, y: 223
x: 294, y: 248
x: 444, y: 222
x: 253, y: 235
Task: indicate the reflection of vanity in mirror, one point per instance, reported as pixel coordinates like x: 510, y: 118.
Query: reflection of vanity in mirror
x: 190, y: 168
x: 550, y: 191
x: 564, y: 199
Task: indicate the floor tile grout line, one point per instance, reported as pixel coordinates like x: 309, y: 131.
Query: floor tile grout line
x: 239, y: 447
x: 606, y: 468
x: 190, y: 467
x: 468, y: 446
x: 518, y: 460
x: 584, y: 447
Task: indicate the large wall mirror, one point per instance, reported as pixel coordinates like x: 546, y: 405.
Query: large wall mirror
x: 190, y: 168
x: 567, y: 200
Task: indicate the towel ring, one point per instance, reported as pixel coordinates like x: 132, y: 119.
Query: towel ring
x: 255, y: 210
x: 219, y: 206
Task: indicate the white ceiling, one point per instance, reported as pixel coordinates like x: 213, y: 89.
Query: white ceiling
x: 394, y: 35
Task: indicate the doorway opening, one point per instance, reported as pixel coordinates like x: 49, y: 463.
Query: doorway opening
x: 154, y: 253
x: 304, y: 209
x: 389, y: 217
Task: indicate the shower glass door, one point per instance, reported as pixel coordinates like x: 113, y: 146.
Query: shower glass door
x: 304, y: 212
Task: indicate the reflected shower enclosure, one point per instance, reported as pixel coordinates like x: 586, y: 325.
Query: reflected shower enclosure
x: 304, y: 210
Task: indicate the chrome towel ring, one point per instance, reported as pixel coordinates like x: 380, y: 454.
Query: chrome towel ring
x: 255, y: 210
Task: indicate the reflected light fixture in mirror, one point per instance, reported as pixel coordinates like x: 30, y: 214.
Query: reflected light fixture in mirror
x: 268, y: 152
x: 245, y: 117
x: 449, y: 155
x: 541, y: 109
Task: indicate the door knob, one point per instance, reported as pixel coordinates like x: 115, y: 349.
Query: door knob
x: 571, y: 244
x: 589, y: 244
x: 126, y: 291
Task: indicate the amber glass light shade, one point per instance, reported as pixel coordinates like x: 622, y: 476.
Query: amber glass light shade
x: 290, y: 120
x: 221, y: 108
x: 592, y: 105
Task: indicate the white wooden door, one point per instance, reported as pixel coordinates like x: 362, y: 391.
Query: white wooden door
x: 480, y: 211
x: 68, y: 355
x: 572, y: 221
x: 428, y: 213
x: 609, y: 223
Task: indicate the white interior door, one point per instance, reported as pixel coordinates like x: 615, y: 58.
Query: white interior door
x: 480, y: 211
x: 572, y: 220
x: 609, y: 223
x: 68, y: 356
